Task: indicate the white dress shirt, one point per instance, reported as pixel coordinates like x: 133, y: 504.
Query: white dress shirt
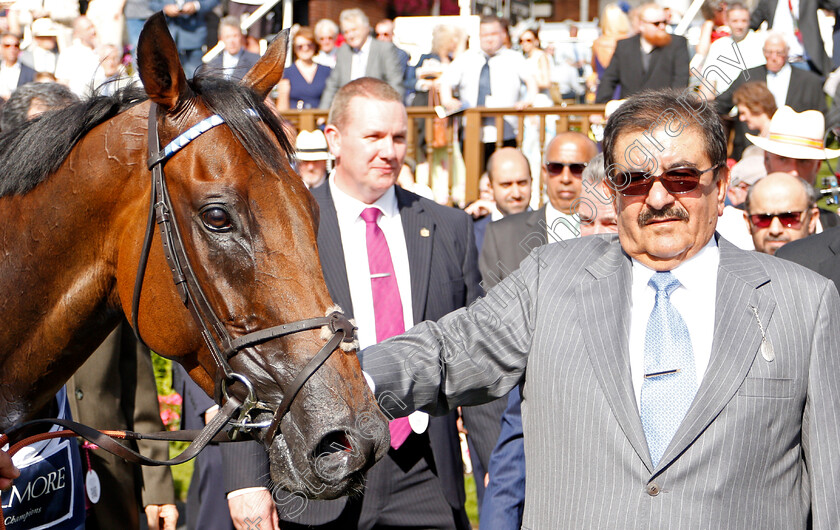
x: 561, y: 226
x: 778, y: 84
x: 230, y: 62
x: 9, y: 77
x: 354, y: 241
x: 358, y: 66
x: 508, y: 72
x: 694, y: 299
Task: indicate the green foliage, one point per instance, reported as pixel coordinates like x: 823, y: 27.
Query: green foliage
x: 181, y: 474
x: 472, y: 499
x: 163, y: 374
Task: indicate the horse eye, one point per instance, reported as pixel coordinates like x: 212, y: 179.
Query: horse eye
x: 216, y: 219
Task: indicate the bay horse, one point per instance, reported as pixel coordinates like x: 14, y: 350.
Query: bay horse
x: 75, y: 191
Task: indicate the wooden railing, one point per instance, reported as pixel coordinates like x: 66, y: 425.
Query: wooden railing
x: 571, y: 117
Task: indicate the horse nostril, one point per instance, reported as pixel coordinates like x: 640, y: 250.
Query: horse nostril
x: 333, y: 442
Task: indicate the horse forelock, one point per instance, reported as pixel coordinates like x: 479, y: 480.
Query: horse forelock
x: 230, y: 101
x: 32, y: 152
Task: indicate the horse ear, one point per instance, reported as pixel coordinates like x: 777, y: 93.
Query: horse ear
x: 158, y: 64
x: 268, y: 71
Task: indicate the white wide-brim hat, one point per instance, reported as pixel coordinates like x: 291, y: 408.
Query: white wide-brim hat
x: 796, y: 135
x: 312, y: 145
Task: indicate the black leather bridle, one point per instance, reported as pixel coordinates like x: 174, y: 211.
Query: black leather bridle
x: 221, y: 345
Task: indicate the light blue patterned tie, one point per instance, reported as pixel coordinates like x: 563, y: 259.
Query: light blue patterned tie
x: 670, y: 381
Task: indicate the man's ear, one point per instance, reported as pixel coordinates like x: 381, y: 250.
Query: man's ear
x: 723, y: 186
x: 812, y: 224
x: 333, y: 140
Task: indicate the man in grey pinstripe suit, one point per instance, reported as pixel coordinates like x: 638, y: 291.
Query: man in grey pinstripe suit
x: 755, y: 445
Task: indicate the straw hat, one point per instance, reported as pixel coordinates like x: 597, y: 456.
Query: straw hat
x: 796, y: 135
x: 312, y: 145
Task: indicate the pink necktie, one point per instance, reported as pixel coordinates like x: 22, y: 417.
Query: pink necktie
x: 387, y: 306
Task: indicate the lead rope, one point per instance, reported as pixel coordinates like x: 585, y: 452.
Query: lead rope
x: 106, y: 439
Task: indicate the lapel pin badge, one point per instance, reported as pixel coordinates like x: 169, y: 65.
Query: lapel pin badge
x: 424, y: 232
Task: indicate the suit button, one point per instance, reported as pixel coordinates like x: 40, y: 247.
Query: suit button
x: 79, y: 394
x: 653, y: 489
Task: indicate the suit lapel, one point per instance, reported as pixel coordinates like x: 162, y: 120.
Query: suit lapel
x: 419, y: 229
x: 534, y: 221
x: 607, y: 343
x: 737, y: 338
x: 332, y: 251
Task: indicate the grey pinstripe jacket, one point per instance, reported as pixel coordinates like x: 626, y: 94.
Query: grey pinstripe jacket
x: 758, y: 447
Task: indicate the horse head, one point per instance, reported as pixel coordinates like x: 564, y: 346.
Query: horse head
x: 248, y: 227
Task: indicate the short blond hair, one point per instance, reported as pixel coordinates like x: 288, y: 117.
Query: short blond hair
x: 366, y: 87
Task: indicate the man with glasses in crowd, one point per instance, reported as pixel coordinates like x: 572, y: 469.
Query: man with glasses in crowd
x: 326, y: 33
x: 780, y: 208
x: 796, y: 145
x: 670, y: 379
x: 652, y: 59
x: 12, y: 72
x: 795, y: 87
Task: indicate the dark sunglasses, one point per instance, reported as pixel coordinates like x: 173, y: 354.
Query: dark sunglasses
x: 788, y: 219
x: 676, y: 180
x: 304, y: 46
x: 575, y: 168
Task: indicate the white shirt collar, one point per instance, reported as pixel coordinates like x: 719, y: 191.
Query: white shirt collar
x: 350, y: 209
x: 693, y: 272
x: 784, y: 70
x: 365, y: 47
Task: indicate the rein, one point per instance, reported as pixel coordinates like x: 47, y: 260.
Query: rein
x: 222, y: 346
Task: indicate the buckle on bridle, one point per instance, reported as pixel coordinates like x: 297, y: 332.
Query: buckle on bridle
x: 243, y: 422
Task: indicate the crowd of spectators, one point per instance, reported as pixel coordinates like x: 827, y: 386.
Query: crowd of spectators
x: 762, y: 71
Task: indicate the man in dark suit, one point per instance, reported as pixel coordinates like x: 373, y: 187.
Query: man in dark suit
x: 235, y: 60
x: 362, y: 56
x: 805, y: 25
x: 13, y: 73
x: 820, y: 253
x: 651, y: 59
x: 510, y: 181
x: 419, y: 264
x: 802, y: 92
x: 510, y: 240
x: 188, y: 26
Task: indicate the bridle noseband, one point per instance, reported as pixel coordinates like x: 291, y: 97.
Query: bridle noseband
x: 215, y: 335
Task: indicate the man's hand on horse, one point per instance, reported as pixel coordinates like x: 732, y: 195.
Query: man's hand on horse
x: 254, y: 510
x: 8, y: 471
x: 161, y: 516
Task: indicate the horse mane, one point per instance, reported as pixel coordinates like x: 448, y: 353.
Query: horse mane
x: 35, y: 150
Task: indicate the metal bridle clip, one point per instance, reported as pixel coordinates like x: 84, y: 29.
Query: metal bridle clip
x: 247, y: 406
